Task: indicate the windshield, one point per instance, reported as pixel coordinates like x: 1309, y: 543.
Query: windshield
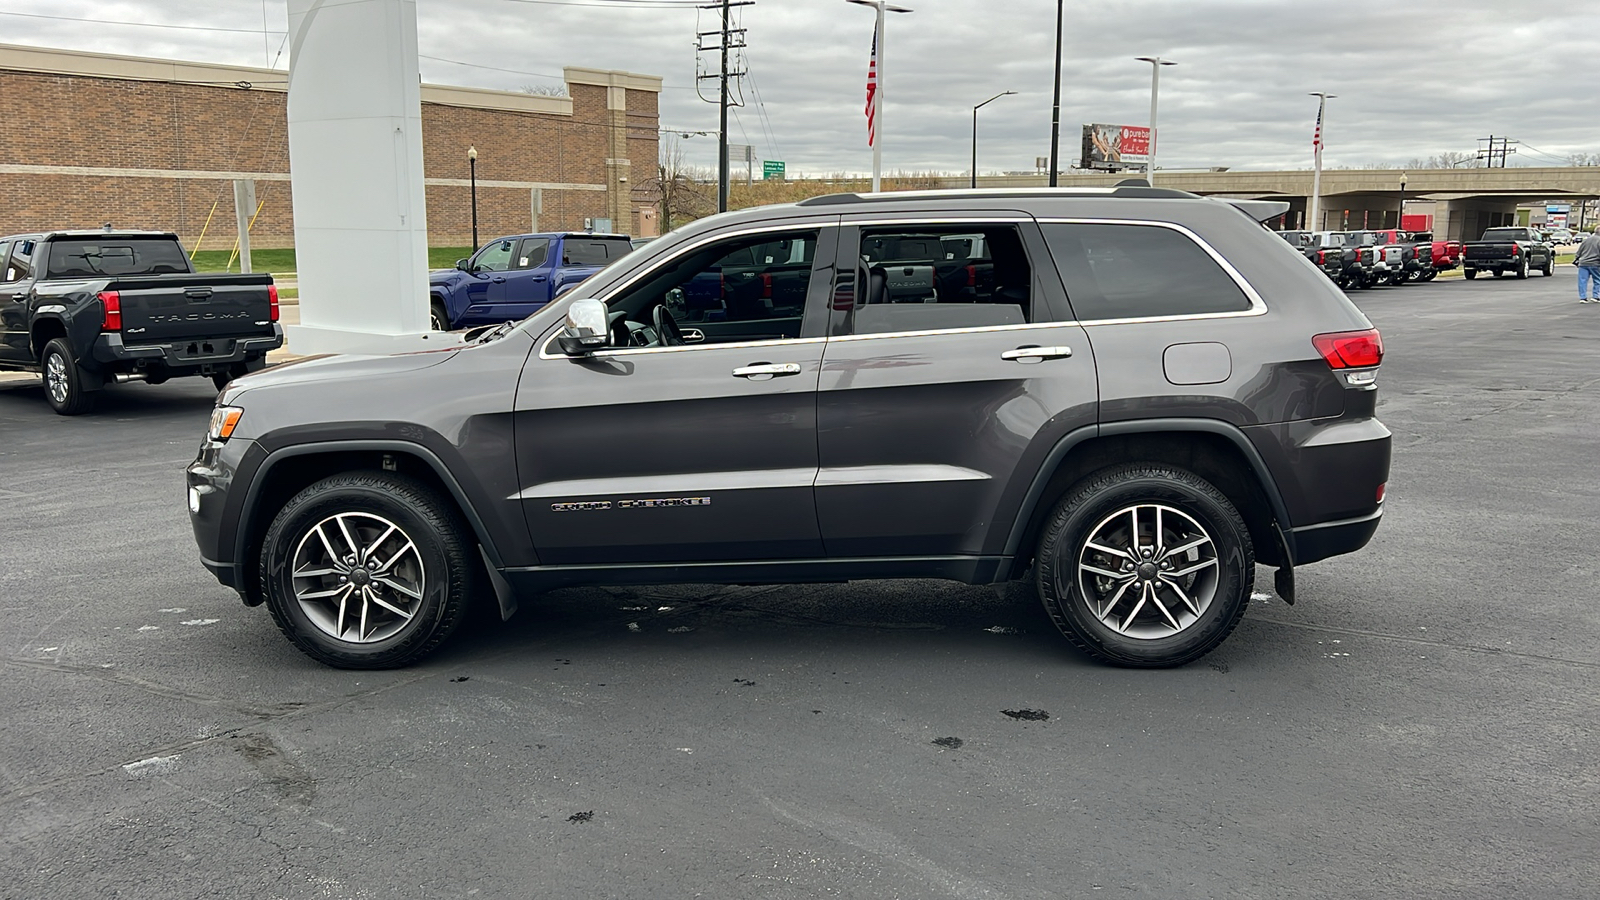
x: 91, y: 257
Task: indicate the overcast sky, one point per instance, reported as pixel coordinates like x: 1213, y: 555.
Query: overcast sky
x: 1414, y: 77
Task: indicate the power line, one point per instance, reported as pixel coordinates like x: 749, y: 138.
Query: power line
x: 143, y: 24
x: 618, y: 4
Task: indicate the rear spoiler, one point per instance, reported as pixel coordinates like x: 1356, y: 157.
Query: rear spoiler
x: 1259, y: 210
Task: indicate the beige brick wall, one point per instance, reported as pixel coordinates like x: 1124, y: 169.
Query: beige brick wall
x: 88, y: 121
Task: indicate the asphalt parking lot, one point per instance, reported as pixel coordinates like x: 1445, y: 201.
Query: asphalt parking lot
x: 1425, y: 722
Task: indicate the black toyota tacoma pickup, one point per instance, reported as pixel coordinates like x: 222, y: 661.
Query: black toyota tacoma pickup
x: 88, y: 309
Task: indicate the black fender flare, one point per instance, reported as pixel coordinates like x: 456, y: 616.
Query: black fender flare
x: 1269, y: 486
x: 491, y: 555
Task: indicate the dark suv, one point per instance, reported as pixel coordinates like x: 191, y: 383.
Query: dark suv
x: 1126, y: 397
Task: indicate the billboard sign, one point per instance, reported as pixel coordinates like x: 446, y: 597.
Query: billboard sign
x: 1113, y: 147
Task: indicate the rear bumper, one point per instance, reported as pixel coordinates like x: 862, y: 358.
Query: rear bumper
x: 1314, y: 542
x: 110, y: 350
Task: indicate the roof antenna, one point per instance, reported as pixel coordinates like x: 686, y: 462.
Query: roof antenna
x: 1133, y: 182
x: 106, y: 227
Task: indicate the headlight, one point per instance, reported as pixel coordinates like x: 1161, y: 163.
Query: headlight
x: 223, y: 420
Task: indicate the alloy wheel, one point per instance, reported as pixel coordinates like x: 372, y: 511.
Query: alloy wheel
x: 55, y: 378
x: 358, y: 577
x: 1148, y: 571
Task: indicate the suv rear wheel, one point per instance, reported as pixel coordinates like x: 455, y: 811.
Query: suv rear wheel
x: 366, y: 570
x: 1145, y: 566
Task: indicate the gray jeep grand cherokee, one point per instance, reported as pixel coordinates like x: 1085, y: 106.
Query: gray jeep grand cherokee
x: 1127, y: 397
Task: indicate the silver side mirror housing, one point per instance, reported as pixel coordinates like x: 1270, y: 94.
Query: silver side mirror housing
x: 586, y: 328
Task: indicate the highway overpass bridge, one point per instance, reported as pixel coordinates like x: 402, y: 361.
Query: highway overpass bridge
x: 1464, y: 201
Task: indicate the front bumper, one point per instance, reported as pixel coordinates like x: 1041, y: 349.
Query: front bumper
x: 111, y: 350
x: 214, y: 505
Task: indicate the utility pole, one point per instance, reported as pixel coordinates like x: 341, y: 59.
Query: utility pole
x: 1504, y: 149
x: 728, y: 38
x: 722, y: 124
x: 1055, y: 106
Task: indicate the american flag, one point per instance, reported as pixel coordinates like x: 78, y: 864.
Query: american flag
x: 1316, y: 136
x: 872, y: 91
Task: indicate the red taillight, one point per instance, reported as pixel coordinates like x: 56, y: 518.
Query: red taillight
x: 1350, y: 349
x: 272, y: 301
x: 1322, y: 257
x: 1516, y: 250
x: 111, y: 302
x: 1381, y: 489
x: 972, y: 276
x: 766, y: 285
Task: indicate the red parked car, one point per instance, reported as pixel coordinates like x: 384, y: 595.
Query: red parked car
x: 1446, y: 254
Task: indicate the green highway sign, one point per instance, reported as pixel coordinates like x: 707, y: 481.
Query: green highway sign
x: 771, y: 168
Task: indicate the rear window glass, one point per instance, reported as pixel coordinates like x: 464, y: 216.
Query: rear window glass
x: 88, y: 258
x: 595, y: 252
x: 1138, y: 271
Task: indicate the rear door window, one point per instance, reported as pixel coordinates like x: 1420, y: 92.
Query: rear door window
x: 1115, y: 271
x: 930, y: 276
x: 531, y: 254
x: 594, y: 251
x: 20, y: 265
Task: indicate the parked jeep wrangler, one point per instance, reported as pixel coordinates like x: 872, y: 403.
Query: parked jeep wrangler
x: 1125, y: 397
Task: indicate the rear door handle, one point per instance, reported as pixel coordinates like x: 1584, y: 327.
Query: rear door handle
x: 1035, y: 354
x: 765, y: 371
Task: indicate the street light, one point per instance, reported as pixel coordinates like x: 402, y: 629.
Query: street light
x: 472, y: 169
x: 1156, y: 63
x: 1400, y: 217
x: 1314, y: 223
x: 1055, y: 104
x: 878, y: 96
x: 975, y: 131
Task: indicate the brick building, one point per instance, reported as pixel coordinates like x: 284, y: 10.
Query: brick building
x: 150, y: 143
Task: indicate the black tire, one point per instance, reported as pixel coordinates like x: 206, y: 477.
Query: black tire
x: 438, y: 319
x: 1367, y: 282
x: 1469, y: 274
x: 1430, y: 275
x: 62, y: 380
x: 1522, y: 268
x: 1549, y: 267
x: 221, y: 379
x: 442, y: 570
x: 1090, y: 509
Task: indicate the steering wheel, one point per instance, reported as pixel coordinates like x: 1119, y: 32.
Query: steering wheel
x: 668, y: 334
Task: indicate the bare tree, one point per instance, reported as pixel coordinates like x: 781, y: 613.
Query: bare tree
x: 1584, y: 159
x: 544, y: 90
x: 687, y: 193
x: 1449, y: 159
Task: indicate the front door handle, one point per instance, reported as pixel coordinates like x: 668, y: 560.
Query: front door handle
x: 1035, y: 354
x: 765, y: 371
x: 499, y: 280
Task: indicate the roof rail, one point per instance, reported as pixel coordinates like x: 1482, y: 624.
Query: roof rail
x: 954, y: 193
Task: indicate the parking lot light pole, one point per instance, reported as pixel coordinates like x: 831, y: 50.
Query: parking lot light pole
x: 975, y: 131
x: 472, y: 179
x: 1156, y: 63
x: 1400, y: 217
x: 1055, y: 105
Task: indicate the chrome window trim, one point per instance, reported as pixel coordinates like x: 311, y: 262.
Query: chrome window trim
x: 921, y: 217
x: 930, y: 332
x: 831, y: 222
x: 544, y: 350
x: 1258, y: 306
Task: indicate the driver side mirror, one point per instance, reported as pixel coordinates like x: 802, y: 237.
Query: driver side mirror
x: 462, y: 265
x: 586, y: 329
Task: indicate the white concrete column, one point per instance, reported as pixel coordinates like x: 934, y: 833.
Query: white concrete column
x: 355, y: 164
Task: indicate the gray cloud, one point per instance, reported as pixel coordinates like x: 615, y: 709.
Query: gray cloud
x: 1413, y: 78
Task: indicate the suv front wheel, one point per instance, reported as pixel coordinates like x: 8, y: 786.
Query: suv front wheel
x: 366, y: 570
x: 1145, y: 566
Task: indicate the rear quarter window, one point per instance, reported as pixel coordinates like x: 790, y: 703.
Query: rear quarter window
x: 582, y: 252
x: 1138, y: 271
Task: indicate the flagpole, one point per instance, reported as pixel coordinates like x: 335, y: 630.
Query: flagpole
x: 1312, y: 223
x: 876, y: 125
x: 877, y: 109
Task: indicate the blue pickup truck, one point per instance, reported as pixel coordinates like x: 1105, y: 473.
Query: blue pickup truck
x: 510, y: 277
